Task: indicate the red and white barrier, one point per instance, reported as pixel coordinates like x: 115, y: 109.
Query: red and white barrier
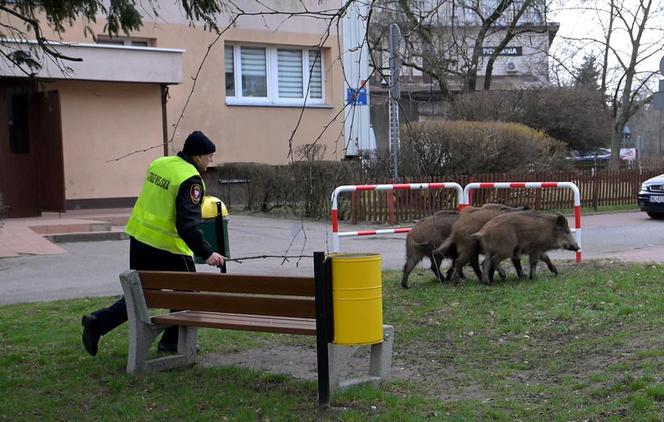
x: 403, y: 186
x: 536, y: 185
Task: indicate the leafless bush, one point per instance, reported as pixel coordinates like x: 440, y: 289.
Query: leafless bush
x: 304, y: 187
x: 651, y: 162
x: 438, y: 148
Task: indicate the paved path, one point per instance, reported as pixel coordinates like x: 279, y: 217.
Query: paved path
x: 91, y: 268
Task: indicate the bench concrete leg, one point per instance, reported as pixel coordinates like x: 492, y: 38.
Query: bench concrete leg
x: 139, y: 347
x: 141, y: 336
x: 142, y: 332
x: 187, y: 342
x: 380, y: 362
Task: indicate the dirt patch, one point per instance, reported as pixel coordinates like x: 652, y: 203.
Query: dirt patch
x: 298, y: 362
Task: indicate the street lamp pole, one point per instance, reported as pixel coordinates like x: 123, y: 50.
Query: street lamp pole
x: 394, y: 41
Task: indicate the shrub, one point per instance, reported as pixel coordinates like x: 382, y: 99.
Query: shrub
x: 438, y: 148
x: 572, y: 115
x: 303, y: 187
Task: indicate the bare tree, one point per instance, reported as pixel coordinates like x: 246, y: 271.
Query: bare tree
x: 629, y: 94
x: 631, y: 35
x: 511, y: 31
x: 446, y: 39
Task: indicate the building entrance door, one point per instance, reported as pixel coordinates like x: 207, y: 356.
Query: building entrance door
x: 31, y: 165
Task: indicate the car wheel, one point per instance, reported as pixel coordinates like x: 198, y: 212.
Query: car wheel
x: 656, y: 215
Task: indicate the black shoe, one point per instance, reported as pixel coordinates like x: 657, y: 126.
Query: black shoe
x: 90, y: 337
x: 167, y: 348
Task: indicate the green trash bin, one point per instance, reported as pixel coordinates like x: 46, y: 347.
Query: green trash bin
x: 215, y: 227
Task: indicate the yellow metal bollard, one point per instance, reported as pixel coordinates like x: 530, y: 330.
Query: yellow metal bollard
x: 357, y: 298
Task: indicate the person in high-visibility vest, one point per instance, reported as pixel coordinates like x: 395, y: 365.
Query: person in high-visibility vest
x: 164, y: 231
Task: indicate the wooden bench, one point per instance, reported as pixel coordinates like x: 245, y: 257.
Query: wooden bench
x: 273, y: 304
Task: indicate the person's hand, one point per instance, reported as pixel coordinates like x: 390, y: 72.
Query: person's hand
x: 215, y: 260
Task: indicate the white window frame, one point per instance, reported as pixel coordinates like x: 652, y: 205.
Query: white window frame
x: 272, y: 76
x: 126, y: 41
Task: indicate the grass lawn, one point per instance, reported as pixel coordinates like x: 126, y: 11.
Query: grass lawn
x: 586, y: 345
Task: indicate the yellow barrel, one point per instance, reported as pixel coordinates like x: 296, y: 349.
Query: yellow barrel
x: 357, y: 298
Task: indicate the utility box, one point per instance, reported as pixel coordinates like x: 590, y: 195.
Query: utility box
x: 357, y: 298
x: 215, y: 227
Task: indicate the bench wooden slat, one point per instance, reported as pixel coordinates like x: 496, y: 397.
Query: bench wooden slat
x: 303, y: 326
x: 229, y: 283
x: 253, y: 305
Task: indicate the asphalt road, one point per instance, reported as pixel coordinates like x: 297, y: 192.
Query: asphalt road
x: 92, y: 268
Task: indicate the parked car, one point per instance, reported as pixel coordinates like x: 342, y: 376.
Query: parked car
x: 651, y: 197
x: 598, y: 155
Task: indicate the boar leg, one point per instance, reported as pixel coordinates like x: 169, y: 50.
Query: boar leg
x: 465, y: 254
x: 450, y: 272
x: 411, y: 262
x: 516, y: 261
x: 487, y: 269
x: 452, y: 254
x: 456, y: 273
x: 494, y: 268
x: 437, y: 259
x: 549, y: 264
x: 475, y: 264
x: 500, y: 270
x: 534, y: 258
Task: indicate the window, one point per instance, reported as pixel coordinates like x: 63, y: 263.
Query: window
x: 254, y: 72
x: 273, y: 75
x: 133, y: 42
x: 229, y: 64
x: 315, y: 75
x: 290, y: 73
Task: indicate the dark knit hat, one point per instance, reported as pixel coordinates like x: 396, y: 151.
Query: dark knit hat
x: 198, y: 144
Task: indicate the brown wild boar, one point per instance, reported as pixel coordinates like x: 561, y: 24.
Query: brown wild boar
x: 464, y: 245
x: 523, y: 233
x: 428, y: 234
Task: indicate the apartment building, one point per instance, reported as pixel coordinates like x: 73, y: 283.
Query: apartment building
x: 80, y: 134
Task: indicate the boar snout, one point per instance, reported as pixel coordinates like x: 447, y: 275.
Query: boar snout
x: 569, y: 243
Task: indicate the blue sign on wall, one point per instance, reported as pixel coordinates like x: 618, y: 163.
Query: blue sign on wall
x: 356, y: 96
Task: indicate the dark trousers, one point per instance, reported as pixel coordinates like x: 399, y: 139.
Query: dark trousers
x: 144, y: 257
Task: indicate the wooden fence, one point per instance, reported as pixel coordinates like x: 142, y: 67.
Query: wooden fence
x: 598, y: 189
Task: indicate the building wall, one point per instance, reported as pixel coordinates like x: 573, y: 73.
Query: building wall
x: 251, y: 133
x: 101, y: 122
x: 243, y: 133
x: 533, y: 60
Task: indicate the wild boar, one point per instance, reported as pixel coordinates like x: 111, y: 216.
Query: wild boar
x: 523, y: 233
x: 467, y: 248
x: 427, y: 235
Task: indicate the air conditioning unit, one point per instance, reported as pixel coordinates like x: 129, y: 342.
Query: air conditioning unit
x: 511, y: 67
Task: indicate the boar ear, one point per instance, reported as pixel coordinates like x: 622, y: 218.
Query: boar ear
x: 561, y: 220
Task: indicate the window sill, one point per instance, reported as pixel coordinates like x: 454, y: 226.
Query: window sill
x: 245, y: 103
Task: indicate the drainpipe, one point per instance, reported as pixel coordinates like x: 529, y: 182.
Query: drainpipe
x: 164, y: 116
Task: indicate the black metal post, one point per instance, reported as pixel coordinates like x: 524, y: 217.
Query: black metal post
x: 322, y: 335
x: 220, y: 235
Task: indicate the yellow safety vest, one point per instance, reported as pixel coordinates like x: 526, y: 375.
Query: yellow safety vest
x: 152, y: 220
